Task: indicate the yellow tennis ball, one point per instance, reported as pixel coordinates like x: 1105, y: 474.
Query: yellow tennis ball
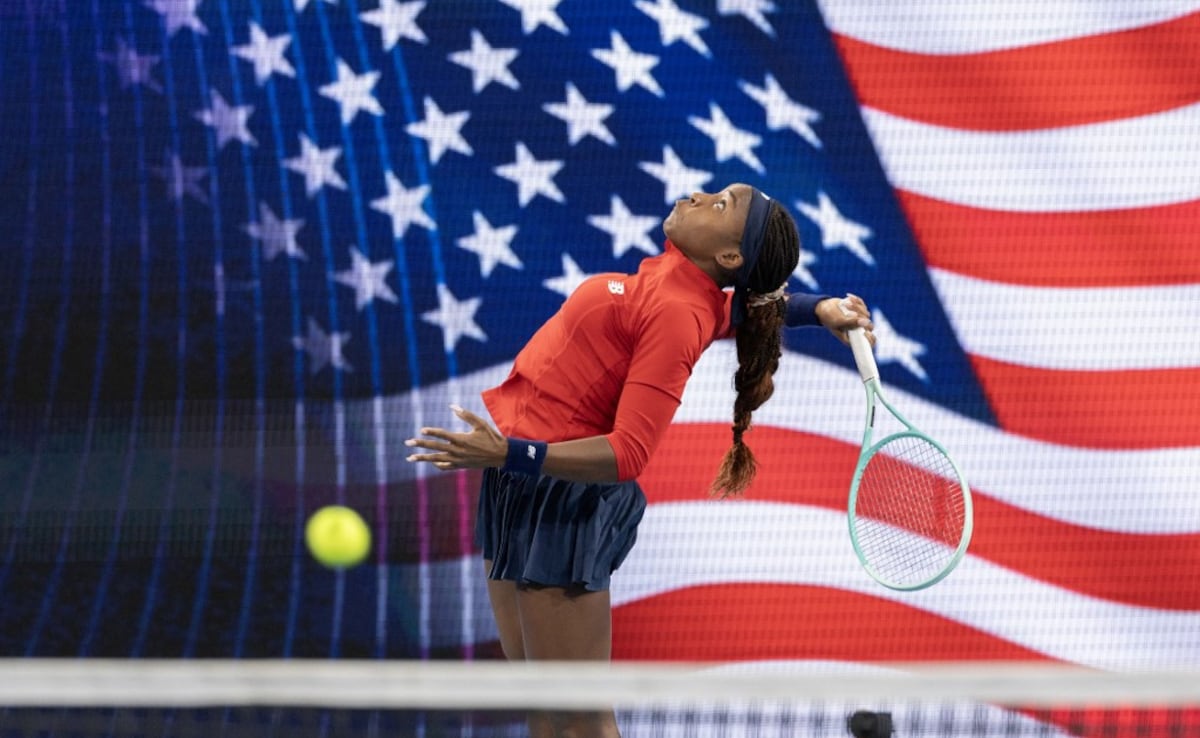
x: 337, y: 537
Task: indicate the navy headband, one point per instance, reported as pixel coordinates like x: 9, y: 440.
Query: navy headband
x: 752, y: 241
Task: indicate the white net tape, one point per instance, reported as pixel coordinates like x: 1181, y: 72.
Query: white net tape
x: 438, y: 685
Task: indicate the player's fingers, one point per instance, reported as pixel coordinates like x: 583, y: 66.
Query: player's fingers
x: 471, y: 418
x: 855, y: 309
x: 440, y: 446
x: 442, y: 434
x: 856, y: 304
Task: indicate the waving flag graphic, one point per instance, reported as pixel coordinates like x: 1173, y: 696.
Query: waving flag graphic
x: 252, y: 246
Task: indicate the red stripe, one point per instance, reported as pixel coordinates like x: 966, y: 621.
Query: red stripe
x: 793, y: 466
x: 799, y: 468
x: 1112, y: 566
x: 1128, y: 409
x: 748, y: 622
x: 1119, y: 248
x: 1086, y: 80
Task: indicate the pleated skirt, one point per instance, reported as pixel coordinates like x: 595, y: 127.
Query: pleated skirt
x: 554, y: 533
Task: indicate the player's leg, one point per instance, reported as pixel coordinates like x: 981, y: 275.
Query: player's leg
x: 567, y: 625
x: 503, y: 596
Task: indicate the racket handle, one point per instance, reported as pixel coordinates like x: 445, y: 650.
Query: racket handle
x: 862, y: 355
x: 864, y: 358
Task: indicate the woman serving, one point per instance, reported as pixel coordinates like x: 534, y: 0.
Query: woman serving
x: 587, y: 401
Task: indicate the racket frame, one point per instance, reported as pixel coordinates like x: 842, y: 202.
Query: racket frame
x: 864, y: 359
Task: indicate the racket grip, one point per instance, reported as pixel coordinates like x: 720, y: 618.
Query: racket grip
x: 864, y: 358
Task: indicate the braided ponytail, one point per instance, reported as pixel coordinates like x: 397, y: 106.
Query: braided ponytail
x: 759, y: 346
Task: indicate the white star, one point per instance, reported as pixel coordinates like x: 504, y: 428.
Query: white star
x: 487, y: 65
x: 181, y: 180
x: 627, y: 230
x: 367, y: 279
x: 229, y: 122
x: 890, y: 347
x: 678, y: 179
x: 631, y: 67
x: 276, y: 236
x: 491, y: 245
x: 730, y: 141
x: 455, y: 318
x: 317, y: 166
x: 583, y: 119
x: 782, y: 111
x: 538, y: 12
x: 395, y: 21
x: 266, y: 54
x: 178, y: 14
x: 403, y: 206
x: 323, y: 349
x: 353, y: 92
x: 132, y: 68
x: 675, y: 25
x: 441, y: 131
x: 836, y: 229
x: 753, y: 10
x: 300, y: 5
x: 570, y: 280
x: 531, y: 176
x: 802, y: 273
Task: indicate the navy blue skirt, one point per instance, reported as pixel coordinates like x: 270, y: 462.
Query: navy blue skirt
x: 554, y: 533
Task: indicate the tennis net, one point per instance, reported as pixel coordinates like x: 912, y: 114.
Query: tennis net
x: 92, y: 698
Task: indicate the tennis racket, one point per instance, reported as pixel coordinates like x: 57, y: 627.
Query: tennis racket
x: 910, y: 507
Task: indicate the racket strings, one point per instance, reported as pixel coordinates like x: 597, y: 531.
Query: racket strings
x: 910, y: 512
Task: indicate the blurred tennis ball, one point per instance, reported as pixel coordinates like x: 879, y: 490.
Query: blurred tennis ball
x: 337, y: 537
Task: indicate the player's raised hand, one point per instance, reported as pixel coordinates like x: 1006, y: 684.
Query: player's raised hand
x: 842, y: 314
x: 478, y: 448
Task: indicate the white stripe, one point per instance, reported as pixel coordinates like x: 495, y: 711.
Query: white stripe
x: 1125, y: 491
x: 1139, y: 491
x: 1138, y: 162
x: 1083, y: 329
x: 713, y: 542
x: 971, y: 26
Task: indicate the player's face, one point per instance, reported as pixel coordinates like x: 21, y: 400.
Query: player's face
x: 707, y: 225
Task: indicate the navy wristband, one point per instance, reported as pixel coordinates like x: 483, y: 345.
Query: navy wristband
x: 525, y: 456
x: 802, y: 309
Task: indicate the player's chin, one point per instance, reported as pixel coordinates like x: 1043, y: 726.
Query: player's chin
x: 669, y: 223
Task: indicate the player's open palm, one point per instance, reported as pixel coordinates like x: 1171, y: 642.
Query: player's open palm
x: 478, y: 448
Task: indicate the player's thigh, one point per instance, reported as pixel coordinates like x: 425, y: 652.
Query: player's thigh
x: 565, y: 625
x: 503, y: 596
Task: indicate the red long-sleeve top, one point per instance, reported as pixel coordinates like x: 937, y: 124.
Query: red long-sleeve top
x: 614, y: 360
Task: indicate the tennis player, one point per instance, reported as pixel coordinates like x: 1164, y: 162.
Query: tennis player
x: 587, y: 401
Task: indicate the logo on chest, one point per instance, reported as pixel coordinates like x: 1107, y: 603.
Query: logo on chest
x: 616, y: 287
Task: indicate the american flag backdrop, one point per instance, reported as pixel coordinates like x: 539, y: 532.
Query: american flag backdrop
x: 250, y: 246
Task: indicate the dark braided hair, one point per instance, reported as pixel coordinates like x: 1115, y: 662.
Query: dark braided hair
x: 758, y: 346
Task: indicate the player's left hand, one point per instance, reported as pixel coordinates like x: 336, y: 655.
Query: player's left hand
x: 478, y: 448
x: 840, y: 314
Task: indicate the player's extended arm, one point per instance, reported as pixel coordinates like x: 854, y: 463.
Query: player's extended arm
x: 582, y: 460
x: 643, y: 415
